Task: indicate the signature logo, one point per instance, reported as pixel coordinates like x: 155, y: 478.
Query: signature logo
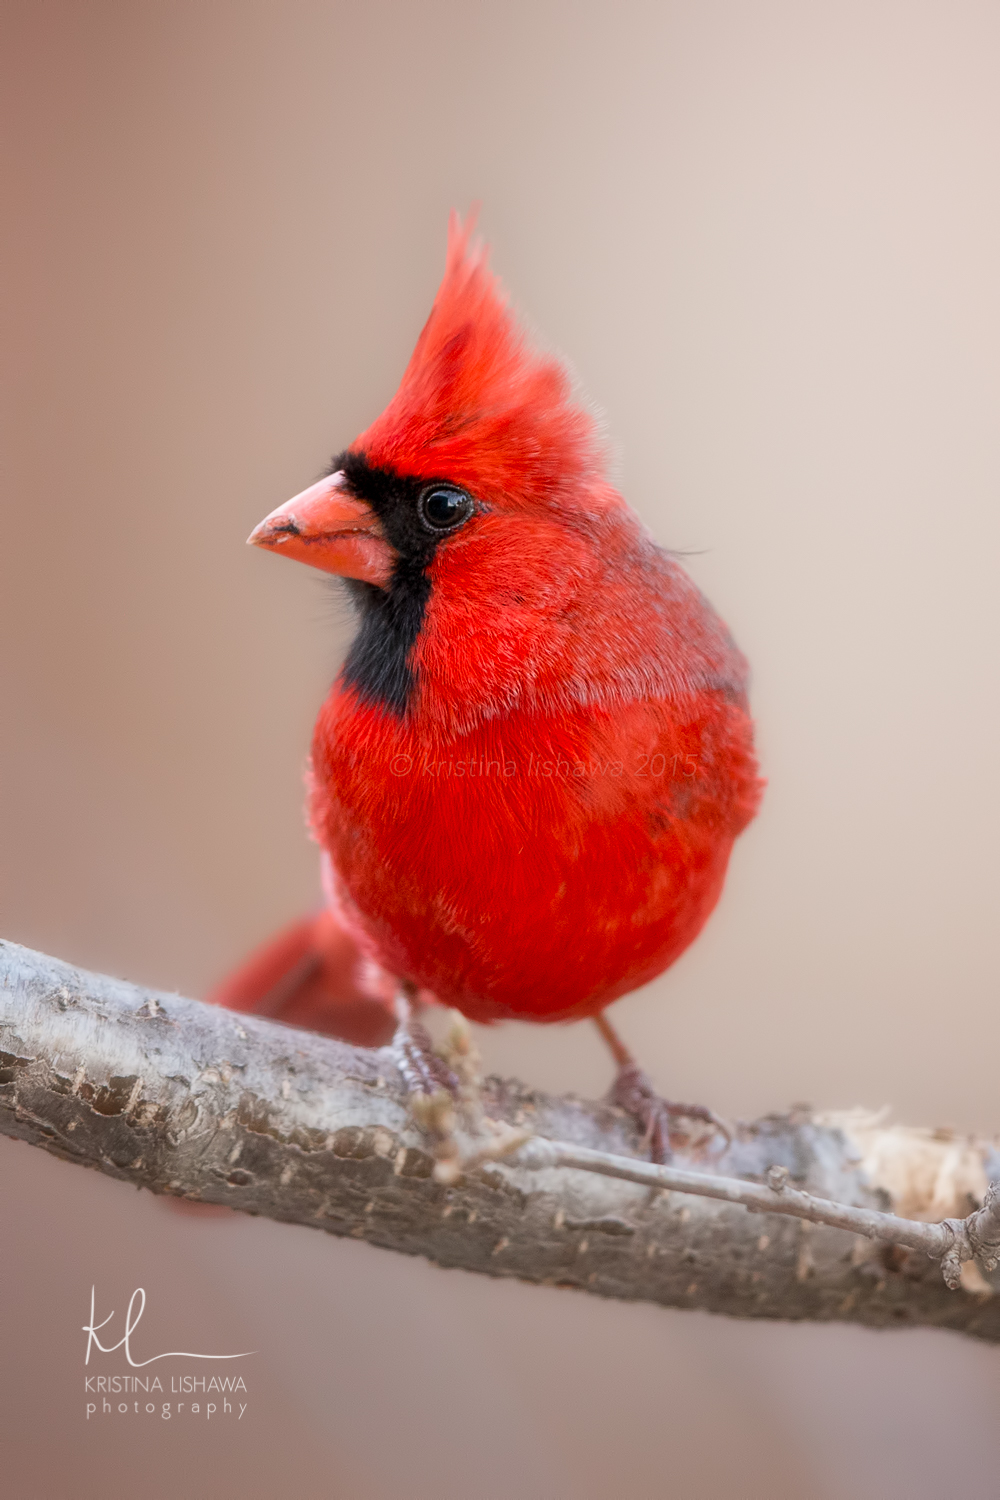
x: 131, y: 1323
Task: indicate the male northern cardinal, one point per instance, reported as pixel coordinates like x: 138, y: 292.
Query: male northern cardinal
x: 528, y: 777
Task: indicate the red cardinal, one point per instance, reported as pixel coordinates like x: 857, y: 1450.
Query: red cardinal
x: 528, y: 777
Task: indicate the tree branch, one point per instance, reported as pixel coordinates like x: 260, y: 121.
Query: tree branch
x: 183, y: 1098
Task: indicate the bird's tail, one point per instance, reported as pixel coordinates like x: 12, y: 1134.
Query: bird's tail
x: 313, y: 974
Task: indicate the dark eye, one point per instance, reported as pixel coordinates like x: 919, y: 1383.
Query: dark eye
x: 442, y: 507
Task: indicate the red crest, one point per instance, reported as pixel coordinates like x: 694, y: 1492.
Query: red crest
x: 477, y: 404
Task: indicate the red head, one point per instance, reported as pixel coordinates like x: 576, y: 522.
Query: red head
x: 477, y: 408
x: 492, y: 562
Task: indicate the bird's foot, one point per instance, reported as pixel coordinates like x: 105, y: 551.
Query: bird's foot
x: 424, y: 1072
x: 633, y: 1092
x: 445, y: 1099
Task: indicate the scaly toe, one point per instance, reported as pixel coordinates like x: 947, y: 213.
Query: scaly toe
x: 423, y: 1071
x: 633, y: 1092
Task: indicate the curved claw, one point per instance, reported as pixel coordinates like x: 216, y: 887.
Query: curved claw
x: 708, y: 1116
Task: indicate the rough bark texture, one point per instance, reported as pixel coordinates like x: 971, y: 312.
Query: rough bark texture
x: 182, y: 1098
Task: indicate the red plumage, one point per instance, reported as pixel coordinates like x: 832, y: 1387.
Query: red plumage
x: 538, y: 816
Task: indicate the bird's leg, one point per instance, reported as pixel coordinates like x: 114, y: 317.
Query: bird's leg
x: 633, y: 1092
x: 446, y: 1105
x: 422, y: 1069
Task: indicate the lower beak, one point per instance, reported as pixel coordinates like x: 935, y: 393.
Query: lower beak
x: 331, y: 531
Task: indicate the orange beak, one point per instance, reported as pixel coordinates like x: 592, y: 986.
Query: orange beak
x: 329, y: 530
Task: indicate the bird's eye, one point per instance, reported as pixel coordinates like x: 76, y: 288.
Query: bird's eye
x: 443, y: 507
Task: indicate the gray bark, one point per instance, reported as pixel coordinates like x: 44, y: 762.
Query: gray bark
x: 183, y: 1098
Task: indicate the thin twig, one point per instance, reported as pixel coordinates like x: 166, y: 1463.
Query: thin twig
x: 951, y: 1241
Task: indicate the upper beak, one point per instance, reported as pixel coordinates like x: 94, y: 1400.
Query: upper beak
x: 331, y: 531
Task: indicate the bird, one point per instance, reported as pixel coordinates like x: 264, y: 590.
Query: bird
x: 529, y: 774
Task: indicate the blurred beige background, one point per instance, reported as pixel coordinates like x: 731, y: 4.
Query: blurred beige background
x: 767, y: 238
